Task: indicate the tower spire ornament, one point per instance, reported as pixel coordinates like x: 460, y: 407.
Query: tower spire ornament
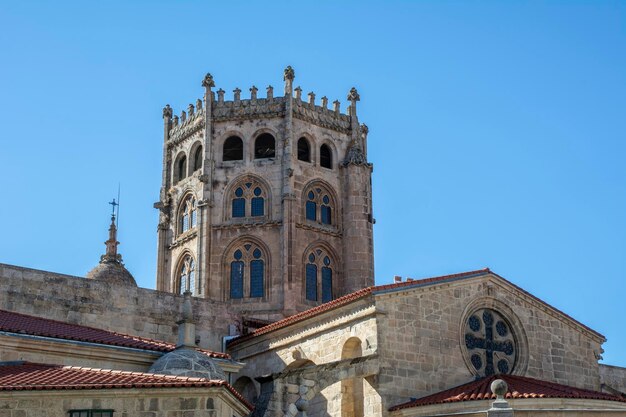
x: 111, y: 268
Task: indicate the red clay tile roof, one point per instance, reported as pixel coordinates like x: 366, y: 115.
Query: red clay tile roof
x: 347, y: 299
x: 37, y: 326
x: 26, y: 376
x: 519, y: 387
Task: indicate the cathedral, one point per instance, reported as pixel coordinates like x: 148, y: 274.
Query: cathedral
x: 265, y: 302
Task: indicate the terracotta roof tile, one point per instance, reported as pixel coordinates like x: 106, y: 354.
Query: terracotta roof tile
x: 519, y: 387
x: 38, y: 326
x: 346, y: 299
x: 24, y: 376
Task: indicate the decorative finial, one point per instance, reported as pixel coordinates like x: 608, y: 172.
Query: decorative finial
x: 220, y: 96
x: 190, y: 109
x: 167, y: 112
x: 311, y: 98
x: 111, y: 244
x: 208, y: 82
x: 270, y: 92
x: 289, y: 74
x: 325, y: 102
x: 298, y: 91
x: 198, y: 104
x: 237, y: 94
x: 353, y: 95
x: 500, y: 388
x: 364, y: 129
x: 253, y: 91
x: 288, y: 77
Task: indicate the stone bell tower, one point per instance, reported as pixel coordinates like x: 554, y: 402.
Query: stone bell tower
x: 265, y: 203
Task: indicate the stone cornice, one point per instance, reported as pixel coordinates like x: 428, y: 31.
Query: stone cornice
x: 246, y: 225
x: 330, y: 232
x: 185, y: 237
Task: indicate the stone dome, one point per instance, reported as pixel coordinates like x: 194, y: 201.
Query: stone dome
x: 111, y: 269
x: 187, y: 362
x: 113, y: 272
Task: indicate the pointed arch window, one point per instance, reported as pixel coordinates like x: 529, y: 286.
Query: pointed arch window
x: 189, y: 214
x: 304, y: 150
x: 197, y: 159
x: 319, y: 205
x: 249, y: 199
x: 247, y: 272
x: 319, y: 276
x: 187, y: 275
x: 182, y: 167
x: 233, y: 149
x: 326, y: 157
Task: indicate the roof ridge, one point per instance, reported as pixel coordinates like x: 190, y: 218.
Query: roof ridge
x: 345, y: 299
x: 519, y: 387
x: 165, y: 346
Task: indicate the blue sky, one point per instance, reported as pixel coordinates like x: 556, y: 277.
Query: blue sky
x: 497, y: 129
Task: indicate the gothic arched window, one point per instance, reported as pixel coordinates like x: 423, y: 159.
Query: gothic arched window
x: 247, y: 271
x: 187, y: 275
x: 233, y: 149
x: 326, y: 156
x: 319, y: 205
x: 248, y: 199
x: 264, y: 146
x: 182, y: 167
x: 304, y: 150
x: 197, y: 159
x: 318, y: 276
x: 188, y: 214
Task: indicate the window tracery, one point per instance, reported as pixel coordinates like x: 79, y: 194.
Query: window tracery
x: 490, y: 343
x: 188, y: 214
x: 247, y: 271
x: 248, y: 199
x: 319, y: 205
x: 187, y: 275
x: 318, y: 276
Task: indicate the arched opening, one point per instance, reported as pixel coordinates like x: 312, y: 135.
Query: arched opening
x: 326, y: 157
x: 197, y: 159
x: 265, y: 146
x: 245, y: 386
x: 352, y: 389
x: 233, y: 149
x: 304, y: 150
x: 247, y: 273
x: 187, y: 275
x: 180, y: 168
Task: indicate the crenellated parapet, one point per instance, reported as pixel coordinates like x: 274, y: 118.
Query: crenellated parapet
x: 191, y: 120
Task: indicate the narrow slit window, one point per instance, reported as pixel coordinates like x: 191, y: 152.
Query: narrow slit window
x: 304, y: 150
x: 326, y: 157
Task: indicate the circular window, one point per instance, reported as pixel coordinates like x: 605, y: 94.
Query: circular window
x: 489, y: 343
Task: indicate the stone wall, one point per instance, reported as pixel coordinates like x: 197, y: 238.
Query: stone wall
x: 421, y: 338
x: 322, y: 340
x: 162, y: 402
x: 119, y: 308
x: 614, y: 377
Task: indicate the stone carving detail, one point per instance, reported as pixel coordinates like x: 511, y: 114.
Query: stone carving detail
x: 289, y: 73
x: 490, y: 343
x: 353, y: 95
x: 208, y: 82
x: 167, y: 112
